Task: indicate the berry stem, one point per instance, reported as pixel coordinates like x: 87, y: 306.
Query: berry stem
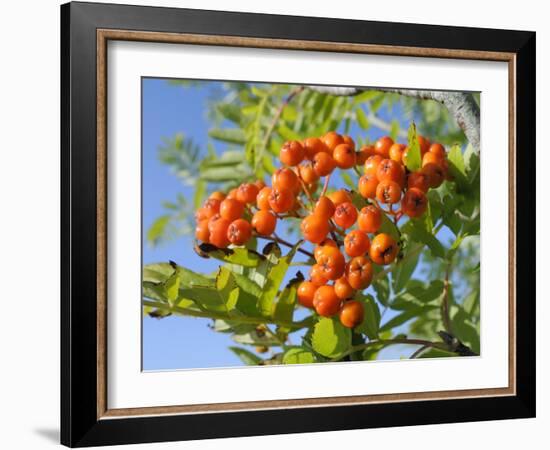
x: 325, y: 186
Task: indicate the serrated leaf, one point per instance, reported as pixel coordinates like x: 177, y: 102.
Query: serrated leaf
x: 298, y: 355
x: 287, y: 134
x: 172, y: 286
x: 157, y: 229
x: 286, y: 301
x: 231, y: 135
x: 249, y: 358
x: 274, y: 278
x: 371, y: 322
x: 362, y: 118
x: 330, y: 338
x: 241, y: 256
x: 420, y: 234
x: 405, y: 268
x: 394, y: 130
x: 230, y: 111
x: 222, y: 297
x: 414, y: 158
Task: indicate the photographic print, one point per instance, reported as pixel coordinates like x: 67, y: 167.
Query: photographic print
x: 295, y: 224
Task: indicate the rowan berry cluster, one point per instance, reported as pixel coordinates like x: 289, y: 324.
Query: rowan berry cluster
x: 347, y: 241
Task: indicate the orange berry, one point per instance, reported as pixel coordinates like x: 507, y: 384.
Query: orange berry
x: 344, y: 156
x: 349, y: 141
x: 332, y: 140
x: 264, y: 222
x: 218, y: 227
x: 382, y: 146
x: 438, y: 149
x: 201, y: 214
x: 325, y: 301
x: 320, y: 247
x: 424, y: 144
x: 259, y: 184
x: 324, y: 207
x: 359, y: 272
x: 396, y: 152
x: 306, y: 172
x: 323, y: 164
x: 371, y: 164
x: 314, y: 228
x: 345, y: 215
x: 292, y: 153
x: 317, y: 276
x: 201, y: 231
x: 342, y: 288
x: 369, y: 219
x: 281, y: 200
x: 356, y: 243
x: 232, y: 194
x: 365, y: 152
x: 332, y: 262
x: 432, y: 158
x: 389, y: 170
x: 340, y: 196
x: 313, y: 145
x: 231, y: 209
x: 306, y: 292
x: 239, y: 232
x: 418, y: 180
x: 383, y: 249
x: 435, y: 174
x: 388, y: 192
x: 367, y: 186
x: 211, y: 207
x: 352, y: 314
x: 217, y: 195
x: 262, y: 199
x: 247, y: 192
x: 285, y: 178
x: 414, y: 203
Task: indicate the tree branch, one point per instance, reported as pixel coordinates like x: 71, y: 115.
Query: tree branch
x: 461, y: 105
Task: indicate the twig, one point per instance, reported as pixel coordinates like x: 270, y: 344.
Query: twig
x: 386, y: 342
x: 283, y: 242
x: 418, y: 352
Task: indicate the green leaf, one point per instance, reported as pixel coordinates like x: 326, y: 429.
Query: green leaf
x: 230, y: 111
x: 346, y: 177
x: 390, y: 228
x: 274, y: 278
x: 405, y: 316
x: 381, y: 287
x: 457, y: 168
x: 365, y: 97
x: 231, y: 135
x: 172, y: 286
x: 287, y: 134
x: 465, y: 330
x: 241, y: 256
x: 394, y: 131
x: 419, y: 233
x: 200, y: 192
x: 249, y: 358
x: 222, y: 297
x: 362, y: 118
x: 330, y: 338
x: 298, y: 355
x: 252, y: 337
x: 404, y: 269
x: 437, y: 353
x: 284, y: 306
x: 371, y: 322
x: 157, y: 229
x: 225, y: 173
x: 414, y: 158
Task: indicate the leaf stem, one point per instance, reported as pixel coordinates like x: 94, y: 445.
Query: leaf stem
x: 277, y: 239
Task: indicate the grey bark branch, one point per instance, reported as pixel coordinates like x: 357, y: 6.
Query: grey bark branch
x: 462, y: 106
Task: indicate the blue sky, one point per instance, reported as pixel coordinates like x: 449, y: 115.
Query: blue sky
x: 182, y: 342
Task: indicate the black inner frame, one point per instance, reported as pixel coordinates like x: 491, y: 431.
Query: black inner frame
x: 79, y: 423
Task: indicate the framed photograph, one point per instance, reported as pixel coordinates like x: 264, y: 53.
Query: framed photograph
x: 277, y: 224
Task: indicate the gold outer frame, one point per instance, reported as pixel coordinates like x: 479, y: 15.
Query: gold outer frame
x: 103, y: 36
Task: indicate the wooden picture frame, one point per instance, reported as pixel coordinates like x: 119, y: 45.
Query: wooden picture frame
x: 85, y: 417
